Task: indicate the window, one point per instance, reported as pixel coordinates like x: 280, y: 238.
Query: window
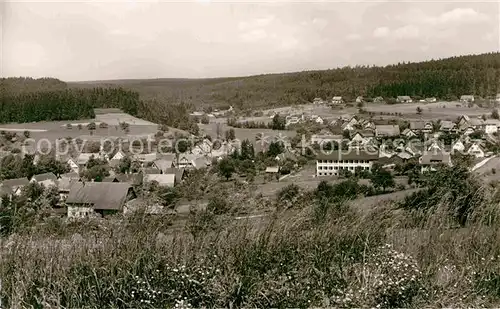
x: 330, y: 161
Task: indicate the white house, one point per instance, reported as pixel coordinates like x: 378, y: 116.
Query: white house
x: 409, y: 133
x: 429, y: 161
x: 491, y: 126
x: 467, y: 98
x: 404, y: 99
x: 361, y: 138
x: 325, y: 138
x: 319, y: 120
x: 458, y: 146
x: 118, y: 156
x: 332, y: 164
x: 337, y: 100
x: 476, y: 150
x: 46, y: 179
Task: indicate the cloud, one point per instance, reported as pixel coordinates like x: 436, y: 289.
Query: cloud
x: 254, y: 35
x: 406, y: 32
x: 464, y: 15
x: 320, y: 23
x: 353, y: 37
x: 256, y: 23
x: 381, y: 32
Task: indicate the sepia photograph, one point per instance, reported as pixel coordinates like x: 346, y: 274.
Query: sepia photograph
x: 249, y: 154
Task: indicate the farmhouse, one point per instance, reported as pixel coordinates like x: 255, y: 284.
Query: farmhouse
x: 467, y: 98
x: 491, y: 126
x: 325, y: 138
x: 476, y: 150
x: 337, y: 100
x: 163, y: 180
x: 332, y: 164
x: 361, y: 138
x: 317, y: 101
x: 458, y: 146
x: 421, y: 126
x: 429, y: 162
x: 404, y: 99
x: 178, y: 172
x: 164, y: 163
x: 387, y: 130
x: 447, y: 126
x: 14, y: 186
x: 46, y: 179
x: 104, y: 198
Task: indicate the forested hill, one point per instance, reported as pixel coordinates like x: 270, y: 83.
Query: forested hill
x: 445, y: 78
x: 16, y: 85
x: 46, y: 99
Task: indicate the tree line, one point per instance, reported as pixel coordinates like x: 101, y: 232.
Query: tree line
x: 444, y: 78
x: 46, y: 99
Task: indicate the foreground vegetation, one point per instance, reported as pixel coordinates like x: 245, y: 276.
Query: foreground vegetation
x: 320, y: 251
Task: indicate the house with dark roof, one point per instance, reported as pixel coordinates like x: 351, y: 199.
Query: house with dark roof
x: 332, y: 164
x: 430, y: 161
x: 163, y: 164
x: 389, y: 130
x: 46, y: 179
x: 104, y: 198
x: 163, y: 180
x: 14, y: 186
x: 404, y: 99
x: 179, y: 173
x: 467, y: 98
x: 421, y: 126
x: 447, y: 126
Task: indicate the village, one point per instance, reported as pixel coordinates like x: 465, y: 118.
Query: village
x: 294, y: 148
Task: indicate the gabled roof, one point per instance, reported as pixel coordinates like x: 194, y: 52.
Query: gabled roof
x: 387, y: 130
x: 435, y: 158
x: 365, y: 133
x: 178, y: 172
x: 446, y: 125
x: 476, y: 122
x: 129, y: 178
x: 403, y: 97
x: 17, y: 182
x: 163, y: 164
x: 44, y: 177
x: 337, y: 98
x: 151, y: 171
x: 100, y: 195
x: 492, y: 122
x: 70, y: 176
x: 64, y: 184
x: 161, y: 179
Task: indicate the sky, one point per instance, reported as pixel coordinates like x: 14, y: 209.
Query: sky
x: 129, y: 39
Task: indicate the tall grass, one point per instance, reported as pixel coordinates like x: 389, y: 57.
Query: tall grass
x: 387, y: 257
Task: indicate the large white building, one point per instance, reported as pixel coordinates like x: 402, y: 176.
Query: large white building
x: 331, y: 164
